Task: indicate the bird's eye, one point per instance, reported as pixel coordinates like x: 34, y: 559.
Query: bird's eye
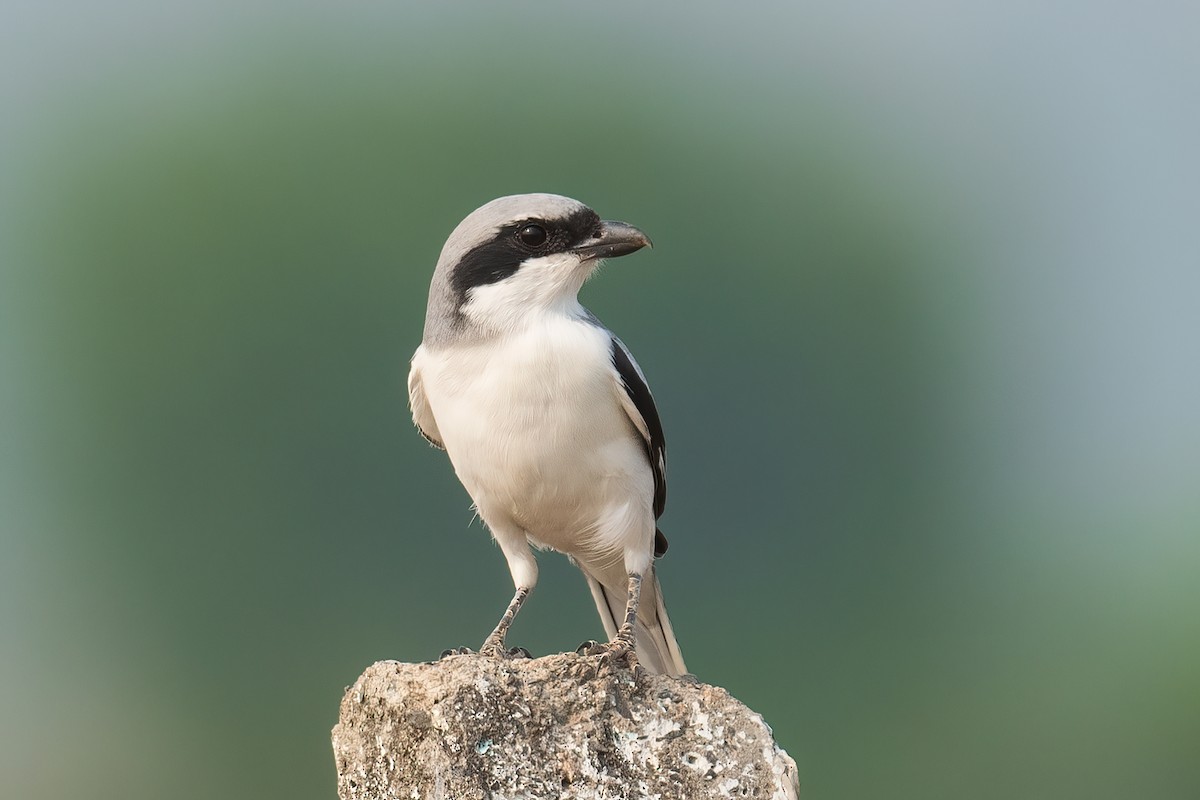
x: 532, y: 235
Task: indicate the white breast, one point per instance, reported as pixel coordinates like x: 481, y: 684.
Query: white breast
x: 536, y: 432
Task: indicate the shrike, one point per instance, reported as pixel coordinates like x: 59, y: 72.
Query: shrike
x: 545, y: 415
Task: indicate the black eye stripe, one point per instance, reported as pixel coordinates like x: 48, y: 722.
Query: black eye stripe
x: 563, y: 233
x: 501, y: 256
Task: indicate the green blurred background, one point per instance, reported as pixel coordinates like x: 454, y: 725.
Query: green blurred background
x: 921, y: 320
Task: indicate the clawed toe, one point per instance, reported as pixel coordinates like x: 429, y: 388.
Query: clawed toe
x: 489, y: 651
x: 456, y: 651
x: 499, y: 651
x: 618, y: 652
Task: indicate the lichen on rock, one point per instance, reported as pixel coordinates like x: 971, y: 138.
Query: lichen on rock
x: 564, y: 726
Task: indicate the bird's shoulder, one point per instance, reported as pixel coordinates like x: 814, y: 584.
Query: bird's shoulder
x: 418, y: 402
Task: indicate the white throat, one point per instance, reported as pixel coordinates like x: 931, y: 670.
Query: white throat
x: 548, y: 285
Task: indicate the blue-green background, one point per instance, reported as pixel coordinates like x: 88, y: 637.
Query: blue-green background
x: 922, y: 320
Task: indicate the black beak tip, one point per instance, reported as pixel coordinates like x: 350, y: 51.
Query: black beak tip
x: 615, y: 239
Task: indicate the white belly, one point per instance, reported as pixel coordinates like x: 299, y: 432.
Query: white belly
x: 537, y: 434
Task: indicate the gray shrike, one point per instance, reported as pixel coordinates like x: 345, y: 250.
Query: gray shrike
x: 545, y: 415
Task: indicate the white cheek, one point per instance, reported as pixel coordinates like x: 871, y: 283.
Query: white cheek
x: 541, y: 284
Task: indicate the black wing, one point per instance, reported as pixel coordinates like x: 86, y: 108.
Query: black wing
x: 639, y: 404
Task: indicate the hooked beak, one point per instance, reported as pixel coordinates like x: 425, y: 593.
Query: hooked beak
x: 615, y: 239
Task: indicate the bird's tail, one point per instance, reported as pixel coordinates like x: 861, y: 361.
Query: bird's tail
x: 657, y: 649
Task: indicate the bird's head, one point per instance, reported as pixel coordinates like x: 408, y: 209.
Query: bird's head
x: 517, y: 257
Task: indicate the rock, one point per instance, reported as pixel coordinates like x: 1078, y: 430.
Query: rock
x: 564, y: 726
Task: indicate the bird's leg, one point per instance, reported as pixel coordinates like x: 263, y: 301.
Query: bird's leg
x: 622, y: 646
x: 493, y: 646
x: 625, y: 632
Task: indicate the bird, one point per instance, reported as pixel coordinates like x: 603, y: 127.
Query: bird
x: 545, y: 415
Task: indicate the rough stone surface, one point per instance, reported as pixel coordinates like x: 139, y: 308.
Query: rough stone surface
x: 564, y: 726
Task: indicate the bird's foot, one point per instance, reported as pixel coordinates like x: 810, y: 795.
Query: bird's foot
x: 490, y: 652
x: 619, y: 652
x: 497, y: 650
x: 456, y: 651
